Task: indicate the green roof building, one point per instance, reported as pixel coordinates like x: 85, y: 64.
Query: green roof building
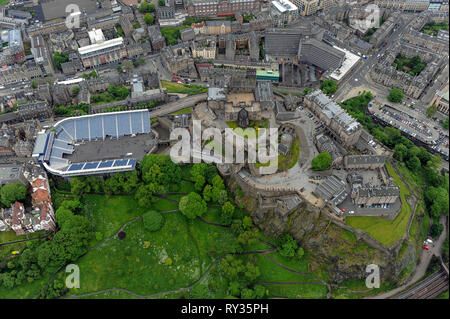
x: 267, y: 75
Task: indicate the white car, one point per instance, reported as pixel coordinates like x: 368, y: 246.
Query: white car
x: 351, y: 212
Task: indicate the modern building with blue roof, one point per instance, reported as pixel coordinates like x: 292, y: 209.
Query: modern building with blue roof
x: 53, y: 148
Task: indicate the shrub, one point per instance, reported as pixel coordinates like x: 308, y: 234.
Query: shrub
x: 153, y: 221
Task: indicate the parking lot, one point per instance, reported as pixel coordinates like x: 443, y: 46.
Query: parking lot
x: 420, y: 130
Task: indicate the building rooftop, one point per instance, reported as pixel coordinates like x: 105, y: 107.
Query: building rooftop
x: 284, y: 5
x: 100, y: 46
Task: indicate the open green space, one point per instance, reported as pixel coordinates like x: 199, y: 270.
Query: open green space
x: 413, y: 65
x: 433, y: 28
x: 384, y: 230
x: 172, y: 34
x: 187, y: 110
x: 189, y: 89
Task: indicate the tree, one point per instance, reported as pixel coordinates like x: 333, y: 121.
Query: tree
x: 219, y: 195
x: 413, y: 163
x: 159, y: 169
x: 400, y: 152
x: 199, y: 292
x: 153, y: 220
x: 207, y: 193
x: 33, y: 85
x: 79, y: 186
x: 247, y: 237
x: 431, y: 110
x: 62, y: 215
x: 321, y: 161
x: 59, y: 58
x: 395, y: 95
x: 13, y: 192
x: 227, y: 213
x: 148, y: 19
x: 260, y: 291
x: 286, y: 245
x: 199, y: 182
x: 329, y: 87
x: 436, y: 229
x: 144, y: 194
x: 247, y: 294
x: 192, y: 205
x: 161, y: 3
x: 306, y: 91
x: 75, y: 90
x: 146, y: 7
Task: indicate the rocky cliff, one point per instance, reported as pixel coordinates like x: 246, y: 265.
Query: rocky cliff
x: 330, y: 247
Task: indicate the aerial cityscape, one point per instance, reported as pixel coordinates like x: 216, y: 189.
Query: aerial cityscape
x: 224, y: 149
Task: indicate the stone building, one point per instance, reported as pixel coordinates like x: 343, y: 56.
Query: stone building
x: 310, y: 7
x: 126, y: 25
x: 212, y: 8
x: 178, y: 58
x: 187, y: 34
x: 368, y: 196
x: 404, y: 5
x: 35, y: 110
x: 342, y: 126
x: 218, y: 27
x: 412, y: 85
x: 204, y: 49
x: 156, y: 38
x: 283, y: 13
x: 364, y: 161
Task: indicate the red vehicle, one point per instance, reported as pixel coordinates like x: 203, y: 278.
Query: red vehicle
x: 426, y: 247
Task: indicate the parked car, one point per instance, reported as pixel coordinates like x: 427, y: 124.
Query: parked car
x: 426, y: 247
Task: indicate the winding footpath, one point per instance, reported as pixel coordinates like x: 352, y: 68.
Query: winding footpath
x: 215, y: 262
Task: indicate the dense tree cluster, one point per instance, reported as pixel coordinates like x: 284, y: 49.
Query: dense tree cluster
x: 146, y: 7
x: 288, y: 247
x: 417, y: 159
x: 59, y: 58
x: 329, y: 87
x: 412, y: 65
x: 10, y: 193
x: 43, y: 257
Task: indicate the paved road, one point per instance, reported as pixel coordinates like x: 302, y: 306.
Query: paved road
x: 421, y: 268
x: 178, y: 105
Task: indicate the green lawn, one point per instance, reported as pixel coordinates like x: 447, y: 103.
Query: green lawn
x: 172, y: 34
x: 108, y: 213
x: 356, y: 289
x: 384, y: 230
x: 183, y: 111
x: 289, y: 161
x: 148, y: 262
x: 273, y: 273
x: 189, y: 89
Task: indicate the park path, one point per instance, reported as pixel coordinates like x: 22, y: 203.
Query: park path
x: 263, y: 252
